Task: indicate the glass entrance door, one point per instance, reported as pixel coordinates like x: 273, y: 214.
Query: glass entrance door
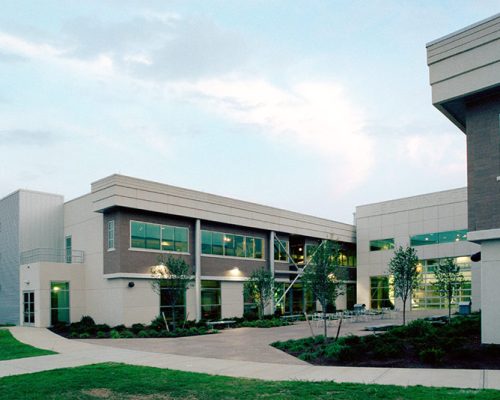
x: 28, y: 307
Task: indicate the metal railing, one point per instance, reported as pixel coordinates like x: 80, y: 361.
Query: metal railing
x: 52, y: 255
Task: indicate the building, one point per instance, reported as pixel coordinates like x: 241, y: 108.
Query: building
x: 464, y: 69
x: 435, y: 225
x: 97, y: 259
x: 93, y: 255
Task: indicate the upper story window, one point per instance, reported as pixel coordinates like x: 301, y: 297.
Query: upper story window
x: 69, y: 249
x: 226, y: 244
x: 381, y: 244
x: 438, y: 237
x: 111, y: 235
x: 281, y: 249
x: 144, y: 235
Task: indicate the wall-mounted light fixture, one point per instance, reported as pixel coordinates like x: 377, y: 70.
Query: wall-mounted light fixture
x: 235, y: 271
x: 131, y: 284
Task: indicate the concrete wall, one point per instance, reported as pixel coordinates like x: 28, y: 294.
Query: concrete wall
x: 37, y: 277
x: 232, y: 299
x: 123, y: 191
x: 9, y: 259
x: 402, y: 218
x: 29, y: 220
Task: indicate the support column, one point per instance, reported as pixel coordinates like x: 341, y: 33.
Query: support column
x: 271, y: 263
x: 197, y: 266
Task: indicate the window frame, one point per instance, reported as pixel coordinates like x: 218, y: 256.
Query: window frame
x: 160, y: 250
x: 234, y: 240
x: 111, y: 235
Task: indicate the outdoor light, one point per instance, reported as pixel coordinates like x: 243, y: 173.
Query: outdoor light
x: 235, y: 271
x: 131, y: 284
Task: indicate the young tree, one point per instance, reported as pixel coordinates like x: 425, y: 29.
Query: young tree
x: 171, y: 278
x: 260, y: 288
x: 449, y: 280
x: 405, y: 275
x: 324, y: 277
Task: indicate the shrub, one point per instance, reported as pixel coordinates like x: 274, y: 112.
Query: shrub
x: 114, y: 334
x: 102, y: 328
x: 87, y: 321
x: 158, y: 323
x: 84, y: 336
x: 74, y: 335
x: 102, y: 334
x: 136, y: 328
x: 120, y: 328
x: 431, y: 356
x: 153, y: 333
x: 126, y: 334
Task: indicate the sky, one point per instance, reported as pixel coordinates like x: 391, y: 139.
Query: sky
x: 310, y: 106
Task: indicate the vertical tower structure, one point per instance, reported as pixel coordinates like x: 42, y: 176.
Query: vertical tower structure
x: 464, y: 69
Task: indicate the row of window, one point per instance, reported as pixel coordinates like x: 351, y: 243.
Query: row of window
x: 438, y: 237
x: 225, y: 244
x: 144, y: 235
x: 422, y: 240
x: 425, y: 296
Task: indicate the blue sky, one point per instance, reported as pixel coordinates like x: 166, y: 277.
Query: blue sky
x: 313, y: 106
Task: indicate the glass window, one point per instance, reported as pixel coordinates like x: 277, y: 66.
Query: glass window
x: 144, y: 235
x: 381, y: 295
x: 152, y: 236
x: 427, y: 297
x: 250, y: 245
x: 138, y: 234
x: 167, y: 238
x: 438, y: 237
x: 239, y: 243
x: 210, y: 300
x: 111, y: 235
x: 170, y: 295
x: 258, y: 248
x: 206, y: 242
x: 381, y: 244
x: 69, y: 250
x: 59, y: 302
x: 181, y: 239
x: 229, y: 245
x: 217, y: 243
x: 281, y: 248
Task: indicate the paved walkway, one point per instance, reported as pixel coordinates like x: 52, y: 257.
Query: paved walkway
x: 76, y: 353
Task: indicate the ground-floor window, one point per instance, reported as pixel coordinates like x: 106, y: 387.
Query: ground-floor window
x: 297, y: 300
x: 250, y: 309
x: 381, y: 293
x: 59, y: 302
x: 210, y: 300
x: 427, y: 296
x: 172, y: 301
x: 350, y: 292
x: 29, y: 307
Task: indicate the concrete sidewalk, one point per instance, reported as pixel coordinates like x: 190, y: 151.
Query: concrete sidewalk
x: 75, y: 353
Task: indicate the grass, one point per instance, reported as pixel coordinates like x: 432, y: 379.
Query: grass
x: 119, y: 381
x: 10, y: 348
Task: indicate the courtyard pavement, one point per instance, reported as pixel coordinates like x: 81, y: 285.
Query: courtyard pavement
x: 241, y: 352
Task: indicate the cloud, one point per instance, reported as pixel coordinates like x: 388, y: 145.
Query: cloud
x: 25, y: 137
x: 158, y: 46
x: 441, y: 154
x: 315, y: 117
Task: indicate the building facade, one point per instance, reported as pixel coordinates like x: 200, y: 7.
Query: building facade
x: 113, y: 236
x: 435, y: 225
x: 464, y: 69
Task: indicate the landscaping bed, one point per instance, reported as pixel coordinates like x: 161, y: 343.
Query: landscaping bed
x: 88, y: 329
x: 420, y: 344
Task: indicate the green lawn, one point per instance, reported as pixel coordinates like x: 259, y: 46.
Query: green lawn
x: 10, y: 348
x: 119, y: 381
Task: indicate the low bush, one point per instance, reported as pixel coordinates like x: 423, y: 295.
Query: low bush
x: 102, y: 335
x: 264, y: 323
x: 431, y: 356
x: 84, y: 336
x: 114, y: 334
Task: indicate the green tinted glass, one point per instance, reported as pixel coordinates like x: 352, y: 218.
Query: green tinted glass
x: 381, y: 244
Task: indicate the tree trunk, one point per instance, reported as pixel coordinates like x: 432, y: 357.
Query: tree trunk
x: 324, y: 323
x: 449, y: 309
x: 173, y: 318
x: 404, y: 312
